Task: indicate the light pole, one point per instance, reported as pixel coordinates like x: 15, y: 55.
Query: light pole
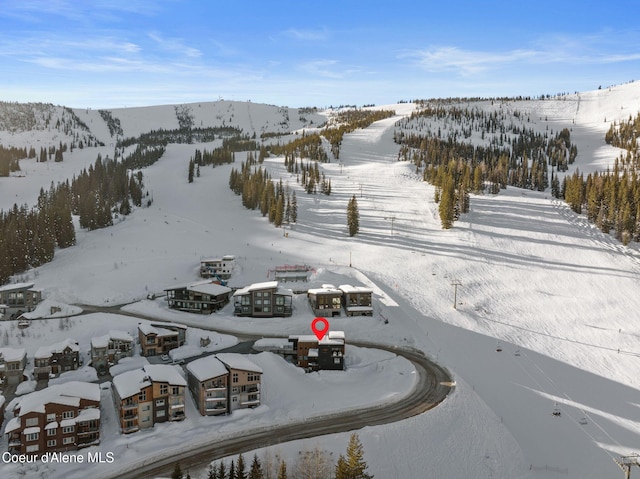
x: 455, y: 285
x: 392, y: 218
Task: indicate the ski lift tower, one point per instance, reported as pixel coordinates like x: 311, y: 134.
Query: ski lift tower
x: 625, y: 463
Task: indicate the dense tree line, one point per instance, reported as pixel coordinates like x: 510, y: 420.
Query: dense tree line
x: 216, y: 157
x: 462, y: 150
x: 29, y: 236
x: 9, y: 159
x: 257, y: 189
x: 309, y: 145
x: 162, y: 137
x: 105, y: 188
x: 625, y: 134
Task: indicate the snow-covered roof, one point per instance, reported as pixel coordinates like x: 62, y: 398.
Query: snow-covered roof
x: 257, y: 286
x: 12, y: 354
x: 88, y: 414
x: 131, y: 382
x: 14, y: 286
x: 68, y: 393
x: 227, y: 257
x: 348, y: 288
x: 47, y: 351
x: 148, y: 329
x: 114, y: 334
x: 336, y: 335
x: 325, y: 290
x: 212, y: 289
x: 238, y: 361
x: 100, y: 341
x: 165, y: 373
x: 31, y: 430
x: 12, y: 425
x: 51, y: 425
x: 207, y: 368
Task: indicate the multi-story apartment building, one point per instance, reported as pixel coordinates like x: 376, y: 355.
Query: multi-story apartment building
x: 203, y: 297
x: 208, y: 380
x: 56, y: 358
x: 325, y: 301
x: 356, y: 300
x: 244, y: 381
x: 58, y: 418
x: 144, y: 397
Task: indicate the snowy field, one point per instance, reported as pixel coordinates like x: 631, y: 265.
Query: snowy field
x: 558, y: 297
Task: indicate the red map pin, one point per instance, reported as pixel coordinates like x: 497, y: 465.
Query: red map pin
x: 320, y: 327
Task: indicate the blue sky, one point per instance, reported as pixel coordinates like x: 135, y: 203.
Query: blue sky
x: 113, y: 53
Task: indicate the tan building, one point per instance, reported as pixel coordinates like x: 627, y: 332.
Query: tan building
x: 157, y: 339
x: 12, y: 364
x: 244, y: 381
x: 208, y: 380
x: 150, y: 395
x: 58, y: 418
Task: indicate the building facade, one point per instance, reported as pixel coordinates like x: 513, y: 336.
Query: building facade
x: 325, y: 301
x: 208, y: 380
x: 19, y: 298
x: 55, y: 359
x: 324, y: 354
x: 264, y: 300
x: 356, y: 300
x: 12, y: 364
x: 157, y: 339
x: 244, y: 381
x: 108, y: 349
x: 219, y: 268
x: 147, y: 396
x: 203, y: 297
x: 58, y: 418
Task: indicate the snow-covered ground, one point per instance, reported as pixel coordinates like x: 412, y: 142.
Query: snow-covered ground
x: 536, y: 279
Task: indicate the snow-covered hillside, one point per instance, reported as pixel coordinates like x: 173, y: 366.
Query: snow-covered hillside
x: 535, y: 278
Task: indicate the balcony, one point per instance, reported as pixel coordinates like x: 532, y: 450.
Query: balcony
x: 129, y: 406
x: 130, y: 415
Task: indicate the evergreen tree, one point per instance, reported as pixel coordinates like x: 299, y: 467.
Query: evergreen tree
x: 191, y: 168
x: 241, y: 468
x: 222, y: 470
x: 447, y: 207
x: 353, y: 465
x: 232, y: 470
x: 282, y: 470
x: 294, y: 208
x: 177, y: 472
x: 212, y: 473
x: 353, y: 216
x: 256, y: 468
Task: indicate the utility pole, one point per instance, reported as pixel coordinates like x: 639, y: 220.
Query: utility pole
x: 455, y: 285
x: 392, y: 218
x: 625, y: 463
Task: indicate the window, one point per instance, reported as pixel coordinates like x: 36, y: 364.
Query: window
x: 234, y: 378
x: 243, y: 389
x: 33, y: 448
x: 32, y: 437
x: 146, y: 407
x: 51, y: 432
x: 31, y: 421
x: 234, y: 389
x: 68, y: 440
x: 160, y: 403
x: 161, y: 413
x: 336, y: 360
x: 253, y: 377
x: 175, y: 390
x: 164, y: 389
x: 279, y: 300
x: 253, y: 397
x: 234, y: 399
x: 68, y: 429
x: 51, y: 443
x: 67, y: 415
x: 142, y: 396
